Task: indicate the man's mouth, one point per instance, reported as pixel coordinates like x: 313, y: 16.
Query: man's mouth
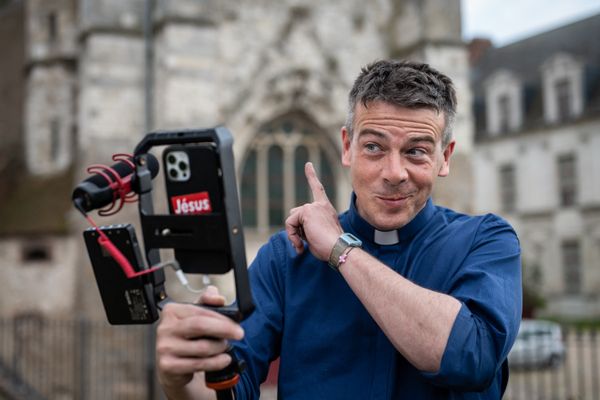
x: 395, y: 200
x: 392, y: 197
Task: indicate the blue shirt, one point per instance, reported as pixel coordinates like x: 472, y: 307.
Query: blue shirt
x: 331, y: 348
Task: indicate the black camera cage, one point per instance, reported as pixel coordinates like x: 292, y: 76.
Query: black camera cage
x: 219, y: 231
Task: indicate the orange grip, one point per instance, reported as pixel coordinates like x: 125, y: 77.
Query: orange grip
x: 222, y: 385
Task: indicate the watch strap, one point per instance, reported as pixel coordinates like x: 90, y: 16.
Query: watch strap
x: 345, y: 241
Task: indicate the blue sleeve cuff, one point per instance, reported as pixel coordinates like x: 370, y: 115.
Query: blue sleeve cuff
x: 469, y: 361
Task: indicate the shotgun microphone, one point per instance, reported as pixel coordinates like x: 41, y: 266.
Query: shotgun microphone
x: 107, y: 184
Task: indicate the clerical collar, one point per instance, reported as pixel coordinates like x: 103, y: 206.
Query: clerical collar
x: 388, y: 238
x: 385, y: 238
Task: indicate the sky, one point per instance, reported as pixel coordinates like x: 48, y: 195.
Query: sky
x: 506, y: 21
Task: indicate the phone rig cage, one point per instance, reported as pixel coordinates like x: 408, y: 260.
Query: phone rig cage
x: 215, y: 231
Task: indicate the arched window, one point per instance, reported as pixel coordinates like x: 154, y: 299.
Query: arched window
x: 275, y: 183
x: 302, y: 190
x: 248, y: 195
x: 273, y: 179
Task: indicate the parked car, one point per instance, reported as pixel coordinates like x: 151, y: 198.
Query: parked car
x: 539, y: 344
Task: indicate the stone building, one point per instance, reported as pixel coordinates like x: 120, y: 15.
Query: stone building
x: 537, y: 112
x: 276, y: 73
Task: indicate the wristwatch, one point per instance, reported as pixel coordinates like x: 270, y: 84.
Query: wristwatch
x: 340, y: 249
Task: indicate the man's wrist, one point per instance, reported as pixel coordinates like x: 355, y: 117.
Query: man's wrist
x: 344, y: 244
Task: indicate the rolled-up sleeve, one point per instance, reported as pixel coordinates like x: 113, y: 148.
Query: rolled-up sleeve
x: 488, y: 284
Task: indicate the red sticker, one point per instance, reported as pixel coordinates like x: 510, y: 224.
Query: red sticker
x: 193, y: 203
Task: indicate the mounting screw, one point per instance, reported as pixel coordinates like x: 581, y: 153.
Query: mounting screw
x: 235, y: 230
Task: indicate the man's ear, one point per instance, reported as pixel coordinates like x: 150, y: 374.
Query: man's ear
x: 346, y: 147
x: 447, y: 153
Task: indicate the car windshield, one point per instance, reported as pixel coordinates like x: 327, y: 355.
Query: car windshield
x: 538, y: 331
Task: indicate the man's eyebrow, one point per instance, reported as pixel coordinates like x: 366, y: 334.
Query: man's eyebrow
x: 374, y: 132
x: 412, y: 140
x: 422, y: 138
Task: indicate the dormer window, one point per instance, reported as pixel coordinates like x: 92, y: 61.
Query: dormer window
x: 504, y: 104
x: 564, y: 99
x: 562, y: 88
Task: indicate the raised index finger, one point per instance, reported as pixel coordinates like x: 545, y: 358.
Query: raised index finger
x: 316, y: 187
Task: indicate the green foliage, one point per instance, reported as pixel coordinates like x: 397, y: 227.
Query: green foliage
x: 532, y: 297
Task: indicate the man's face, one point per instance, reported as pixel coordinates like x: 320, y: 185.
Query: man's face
x: 394, y: 157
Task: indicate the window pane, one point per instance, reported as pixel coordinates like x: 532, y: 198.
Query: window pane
x: 508, y: 189
x: 327, y: 177
x: 567, y: 180
x: 504, y: 113
x: 248, y: 198
x: 54, y: 139
x: 287, y: 126
x: 276, y: 212
x: 571, y: 266
x: 302, y: 189
x: 563, y: 99
x: 52, y: 27
x: 36, y: 252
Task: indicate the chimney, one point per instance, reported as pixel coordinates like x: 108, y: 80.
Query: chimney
x: 477, y: 48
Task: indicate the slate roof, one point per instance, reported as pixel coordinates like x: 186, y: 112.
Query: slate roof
x: 524, y: 58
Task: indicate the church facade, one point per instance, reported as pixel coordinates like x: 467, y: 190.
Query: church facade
x: 99, y: 74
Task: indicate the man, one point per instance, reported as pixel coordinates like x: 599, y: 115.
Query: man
x: 420, y: 302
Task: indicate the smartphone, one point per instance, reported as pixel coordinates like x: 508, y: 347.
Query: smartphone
x: 194, y: 186
x: 126, y: 300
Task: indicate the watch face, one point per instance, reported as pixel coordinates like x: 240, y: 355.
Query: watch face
x: 350, y: 239
x: 344, y: 241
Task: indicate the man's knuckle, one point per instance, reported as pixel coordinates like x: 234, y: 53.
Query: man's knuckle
x: 203, y: 348
x: 163, y: 329
x: 205, y: 364
x: 163, y: 348
x: 166, y: 364
x: 197, y: 327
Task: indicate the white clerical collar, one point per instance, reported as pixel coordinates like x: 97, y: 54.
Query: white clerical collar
x: 385, y: 238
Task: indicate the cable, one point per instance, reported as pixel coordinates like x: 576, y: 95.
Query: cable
x: 124, y: 263
x: 184, y: 281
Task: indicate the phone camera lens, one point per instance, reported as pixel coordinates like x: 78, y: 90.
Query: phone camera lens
x: 173, y: 173
x: 182, y: 166
x: 171, y: 159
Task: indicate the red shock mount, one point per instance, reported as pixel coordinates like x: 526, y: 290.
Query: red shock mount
x: 121, y: 186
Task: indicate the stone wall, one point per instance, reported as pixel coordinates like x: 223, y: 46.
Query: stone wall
x: 46, y: 286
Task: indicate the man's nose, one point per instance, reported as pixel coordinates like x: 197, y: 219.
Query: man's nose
x: 394, y: 171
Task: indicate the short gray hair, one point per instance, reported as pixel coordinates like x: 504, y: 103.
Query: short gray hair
x: 404, y: 84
